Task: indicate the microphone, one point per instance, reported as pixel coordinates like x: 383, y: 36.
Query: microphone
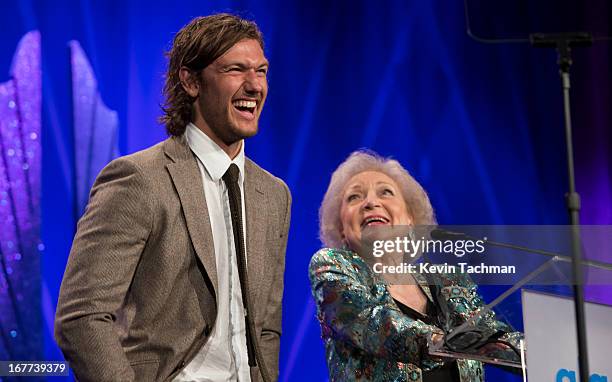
x: 442, y: 234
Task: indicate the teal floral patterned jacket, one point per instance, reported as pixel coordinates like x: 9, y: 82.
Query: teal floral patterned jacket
x: 366, y: 335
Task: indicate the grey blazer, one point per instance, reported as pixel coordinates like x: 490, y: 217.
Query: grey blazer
x: 137, y: 300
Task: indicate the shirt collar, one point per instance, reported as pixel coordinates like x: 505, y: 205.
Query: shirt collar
x: 213, y: 158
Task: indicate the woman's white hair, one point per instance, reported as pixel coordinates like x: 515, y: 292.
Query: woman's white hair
x: 417, y: 201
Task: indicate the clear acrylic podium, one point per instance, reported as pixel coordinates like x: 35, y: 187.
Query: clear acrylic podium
x: 545, y: 271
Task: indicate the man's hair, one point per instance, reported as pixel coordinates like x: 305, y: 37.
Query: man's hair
x: 196, y: 46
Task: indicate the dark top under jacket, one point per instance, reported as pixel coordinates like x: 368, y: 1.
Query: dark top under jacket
x: 448, y: 372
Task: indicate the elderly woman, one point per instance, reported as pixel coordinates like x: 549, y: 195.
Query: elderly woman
x: 374, y: 331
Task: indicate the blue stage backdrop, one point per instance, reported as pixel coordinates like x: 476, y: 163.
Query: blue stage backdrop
x: 480, y: 126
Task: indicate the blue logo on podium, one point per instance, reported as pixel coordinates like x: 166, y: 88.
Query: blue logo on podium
x: 564, y: 375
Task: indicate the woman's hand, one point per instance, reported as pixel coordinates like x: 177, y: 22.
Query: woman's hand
x: 437, y: 337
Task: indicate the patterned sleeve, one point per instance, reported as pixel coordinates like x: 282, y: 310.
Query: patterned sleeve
x: 349, y: 310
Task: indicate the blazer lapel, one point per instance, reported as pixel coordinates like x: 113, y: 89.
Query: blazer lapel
x: 256, y: 217
x: 187, y: 180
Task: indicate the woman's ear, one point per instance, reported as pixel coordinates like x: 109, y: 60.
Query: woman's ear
x: 343, y: 239
x: 189, y: 82
x: 410, y: 221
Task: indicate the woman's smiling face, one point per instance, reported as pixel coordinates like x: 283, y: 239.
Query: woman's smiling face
x: 370, y: 198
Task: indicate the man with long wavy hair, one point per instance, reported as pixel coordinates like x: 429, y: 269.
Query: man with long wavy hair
x: 180, y: 240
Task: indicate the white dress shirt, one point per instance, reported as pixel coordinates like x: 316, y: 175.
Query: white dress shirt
x: 224, y: 356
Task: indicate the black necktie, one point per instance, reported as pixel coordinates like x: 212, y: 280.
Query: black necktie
x: 233, y: 189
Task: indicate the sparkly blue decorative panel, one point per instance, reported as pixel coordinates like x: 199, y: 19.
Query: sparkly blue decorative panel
x: 20, y: 159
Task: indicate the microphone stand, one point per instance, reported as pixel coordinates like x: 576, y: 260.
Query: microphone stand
x: 563, y: 43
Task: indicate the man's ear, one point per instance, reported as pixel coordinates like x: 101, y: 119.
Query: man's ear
x: 189, y: 82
